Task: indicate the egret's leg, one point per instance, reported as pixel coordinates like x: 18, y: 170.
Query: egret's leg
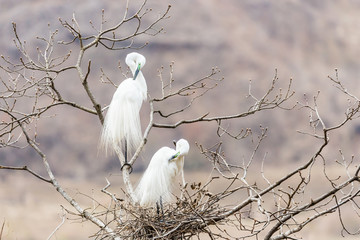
x: 125, y: 152
x: 126, y: 157
x: 162, y: 209
x: 159, y: 207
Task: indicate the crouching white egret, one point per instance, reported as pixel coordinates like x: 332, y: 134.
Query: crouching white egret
x: 160, y: 176
x: 122, y: 130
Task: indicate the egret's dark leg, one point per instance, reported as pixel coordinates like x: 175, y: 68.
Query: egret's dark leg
x: 125, y: 152
x: 157, y: 209
x: 161, y: 207
x: 126, y: 157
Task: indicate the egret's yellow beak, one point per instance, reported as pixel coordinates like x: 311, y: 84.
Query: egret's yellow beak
x: 174, y: 157
x: 137, y: 71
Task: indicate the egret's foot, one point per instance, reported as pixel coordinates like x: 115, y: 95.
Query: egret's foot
x: 127, y: 164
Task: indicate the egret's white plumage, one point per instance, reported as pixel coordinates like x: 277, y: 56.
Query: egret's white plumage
x: 160, y: 176
x: 122, y: 121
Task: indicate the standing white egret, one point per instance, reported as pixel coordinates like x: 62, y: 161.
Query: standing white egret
x: 160, y: 176
x: 122, y: 129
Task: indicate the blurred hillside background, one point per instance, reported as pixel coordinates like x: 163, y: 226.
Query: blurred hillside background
x: 247, y: 40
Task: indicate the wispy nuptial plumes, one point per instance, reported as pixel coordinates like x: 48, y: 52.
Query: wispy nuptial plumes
x: 122, y: 122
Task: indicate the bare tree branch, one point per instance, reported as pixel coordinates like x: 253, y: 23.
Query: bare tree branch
x: 25, y: 168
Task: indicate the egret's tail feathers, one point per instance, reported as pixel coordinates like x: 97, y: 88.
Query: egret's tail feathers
x: 122, y: 123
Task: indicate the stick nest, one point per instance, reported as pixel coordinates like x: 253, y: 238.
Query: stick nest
x: 189, y: 216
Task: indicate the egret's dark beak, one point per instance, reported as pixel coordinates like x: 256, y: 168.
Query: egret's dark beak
x: 137, y: 71
x: 174, y: 157
x: 174, y: 142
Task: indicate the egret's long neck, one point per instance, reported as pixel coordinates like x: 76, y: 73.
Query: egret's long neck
x: 143, y: 87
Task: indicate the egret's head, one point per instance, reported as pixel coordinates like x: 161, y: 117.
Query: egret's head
x: 163, y: 156
x: 135, y: 61
x: 182, y: 149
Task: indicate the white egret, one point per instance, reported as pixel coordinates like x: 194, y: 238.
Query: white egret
x: 122, y: 129
x: 160, y: 176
